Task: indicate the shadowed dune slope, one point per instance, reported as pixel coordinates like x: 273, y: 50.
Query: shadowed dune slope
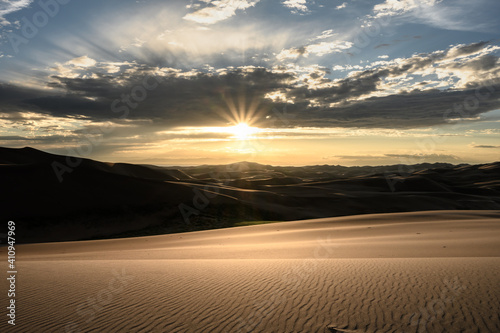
x: 59, y: 198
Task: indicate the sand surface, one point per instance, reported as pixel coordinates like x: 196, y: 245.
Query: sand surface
x: 410, y: 272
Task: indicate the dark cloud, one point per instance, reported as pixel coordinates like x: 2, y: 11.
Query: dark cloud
x: 358, y: 85
x: 467, y: 49
x: 486, y: 146
x: 15, y: 138
x: 397, y: 41
x: 201, y: 99
x: 400, y: 158
x: 437, y: 157
x: 482, y: 63
x: 27, y: 140
x: 71, y: 105
x: 358, y: 157
x: 198, y: 98
x: 14, y: 99
x: 410, y: 110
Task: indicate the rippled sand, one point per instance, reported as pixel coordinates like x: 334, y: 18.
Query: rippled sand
x: 410, y: 272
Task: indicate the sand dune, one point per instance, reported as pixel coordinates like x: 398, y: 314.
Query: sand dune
x: 405, y: 235
x: 410, y: 272
x: 105, y: 200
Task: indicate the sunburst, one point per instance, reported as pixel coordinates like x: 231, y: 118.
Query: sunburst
x: 242, y: 113
x: 242, y: 131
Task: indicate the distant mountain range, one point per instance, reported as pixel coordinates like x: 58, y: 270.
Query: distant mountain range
x: 54, y: 197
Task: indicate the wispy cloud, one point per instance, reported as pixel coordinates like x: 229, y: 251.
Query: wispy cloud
x: 297, y: 6
x: 449, y: 15
x: 219, y: 10
x: 398, y: 7
x: 8, y: 7
x: 325, y: 34
x: 319, y: 49
x: 382, y: 45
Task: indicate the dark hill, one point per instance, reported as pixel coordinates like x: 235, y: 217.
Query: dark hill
x: 91, y: 199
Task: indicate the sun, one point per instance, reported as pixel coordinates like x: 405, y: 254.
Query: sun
x: 242, y: 131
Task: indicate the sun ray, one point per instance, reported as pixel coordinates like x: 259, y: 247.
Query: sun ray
x: 241, y: 108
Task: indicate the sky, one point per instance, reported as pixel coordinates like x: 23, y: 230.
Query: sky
x: 292, y: 82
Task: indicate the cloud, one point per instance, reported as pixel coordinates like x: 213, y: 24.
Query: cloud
x: 219, y: 10
x: 387, y: 95
x: 138, y: 42
x: 456, y: 15
x: 367, y: 97
x: 292, y: 53
x: 460, y: 66
x: 181, y: 43
x: 433, y: 157
x: 399, y: 7
x: 466, y: 49
x: 325, y: 34
x: 318, y: 49
x: 347, y: 67
x: 9, y: 7
x: 297, y: 6
x: 484, y: 146
x: 449, y: 15
x: 323, y: 48
x: 80, y: 62
x: 181, y: 99
x: 410, y: 110
x: 343, y: 5
x: 409, y: 159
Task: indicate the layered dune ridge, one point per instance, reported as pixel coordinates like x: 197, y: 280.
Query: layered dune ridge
x: 51, y: 201
x: 435, y: 271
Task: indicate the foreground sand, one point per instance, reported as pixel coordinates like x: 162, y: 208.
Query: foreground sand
x: 409, y: 272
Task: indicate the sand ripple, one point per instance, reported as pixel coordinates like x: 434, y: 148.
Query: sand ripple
x: 275, y: 295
